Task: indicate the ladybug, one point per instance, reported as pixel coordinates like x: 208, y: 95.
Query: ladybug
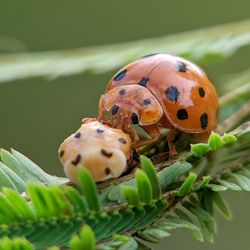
x: 160, y: 91
x: 103, y: 150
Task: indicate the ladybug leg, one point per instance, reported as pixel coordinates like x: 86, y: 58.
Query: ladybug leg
x: 133, y: 135
x: 153, y: 132
x: 170, y: 138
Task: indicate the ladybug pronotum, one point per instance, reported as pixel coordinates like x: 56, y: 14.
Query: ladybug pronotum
x: 103, y: 150
x: 160, y: 91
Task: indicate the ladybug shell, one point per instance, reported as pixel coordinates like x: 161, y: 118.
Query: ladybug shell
x: 140, y: 102
x: 187, y: 96
x: 103, y: 150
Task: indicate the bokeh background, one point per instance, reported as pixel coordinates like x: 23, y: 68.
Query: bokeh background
x: 38, y: 113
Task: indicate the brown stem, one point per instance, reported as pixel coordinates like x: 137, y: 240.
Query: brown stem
x: 236, y: 117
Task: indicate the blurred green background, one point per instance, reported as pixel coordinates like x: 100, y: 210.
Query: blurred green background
x: 37, y: 113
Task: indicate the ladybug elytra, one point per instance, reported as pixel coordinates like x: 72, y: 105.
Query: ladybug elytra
x: 103, y: 150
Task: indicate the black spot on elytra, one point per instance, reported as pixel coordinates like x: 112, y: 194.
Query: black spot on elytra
x: 122, y: 140
x: 122, y: 92
x: 172, y: 93
x: 107, y: 171
x: 181, y: 67
x: 134, y: 118
x: 78, y: 135
x: 182, y: 114
x: 120, y: 75
x: 61, y: 154
x: 99, y: 130
x: 204, y: 120
x: 115, y: 109
x: 149, y: 55
x: 201, y: 92
x: 106, y: 153
x: 77, y: 160
x: 144, y: 81
x: 146, y: 101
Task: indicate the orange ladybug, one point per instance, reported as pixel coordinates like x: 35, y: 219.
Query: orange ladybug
x: 160, y: 91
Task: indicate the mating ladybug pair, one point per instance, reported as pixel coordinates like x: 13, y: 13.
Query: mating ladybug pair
x: 156, y: 91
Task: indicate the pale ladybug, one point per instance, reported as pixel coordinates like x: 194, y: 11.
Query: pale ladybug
x: 157, y: 91
x: 103, y: 150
